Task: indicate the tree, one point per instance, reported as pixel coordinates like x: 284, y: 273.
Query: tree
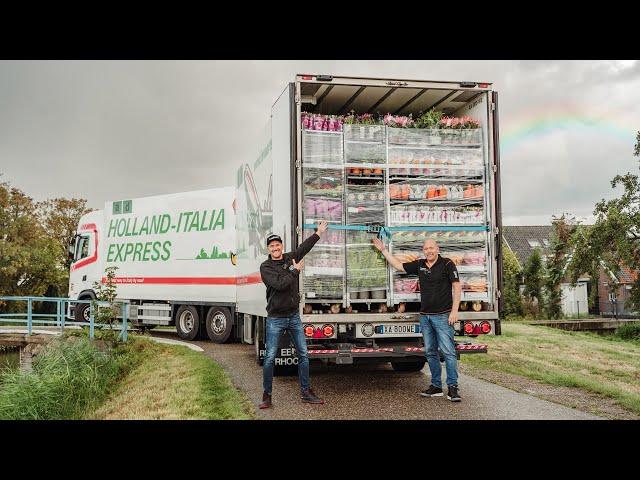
x: 512, y: 274
x: 533, y: 280
x: 614, y: 240
x: 28, y: 256
x: 60, y: 217
x: 556, y: 264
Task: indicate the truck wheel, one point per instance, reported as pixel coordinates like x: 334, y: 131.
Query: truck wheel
x: 408, y: 366
x: 82, y: 311
x: 187, y: 322
x: 219, y: 324
x: 256, y: 342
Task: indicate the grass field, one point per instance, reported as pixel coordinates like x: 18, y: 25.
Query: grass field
x: 603, y: 365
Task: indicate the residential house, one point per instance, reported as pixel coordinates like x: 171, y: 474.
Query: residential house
x: 523, y: 240
x: 614, y: 304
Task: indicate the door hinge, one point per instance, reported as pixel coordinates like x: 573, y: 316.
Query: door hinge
x: 495, y: 168
x: 497, y: 230
x: 498, y: 293
x: 298, y: 230
x: 493, y: 106
x: 298, y: 164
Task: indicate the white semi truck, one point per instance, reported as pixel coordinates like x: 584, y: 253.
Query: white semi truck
x: 175, y: 257
x: 193, y: 259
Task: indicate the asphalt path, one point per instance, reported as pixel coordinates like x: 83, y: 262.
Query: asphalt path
x: 368, y: 392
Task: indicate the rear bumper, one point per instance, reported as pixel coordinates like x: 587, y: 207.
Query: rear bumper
x: 347, y: 355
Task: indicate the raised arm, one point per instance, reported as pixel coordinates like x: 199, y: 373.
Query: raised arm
x: 308, y: 244
x: 393, y: 261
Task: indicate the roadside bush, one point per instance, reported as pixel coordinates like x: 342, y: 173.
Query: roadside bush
x: 72, y: 375
x: 630, y: 331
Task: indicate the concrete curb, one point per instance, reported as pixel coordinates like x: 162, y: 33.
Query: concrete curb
x: 54, y: 332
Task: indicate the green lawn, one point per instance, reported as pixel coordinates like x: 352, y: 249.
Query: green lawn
x: 604, y: 365
x: 173, y: 382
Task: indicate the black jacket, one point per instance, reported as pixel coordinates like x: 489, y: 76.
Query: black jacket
x: 283, y: 297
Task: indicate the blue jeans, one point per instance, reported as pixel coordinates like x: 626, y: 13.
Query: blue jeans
x: 275, y: 327
x: 437, y: 333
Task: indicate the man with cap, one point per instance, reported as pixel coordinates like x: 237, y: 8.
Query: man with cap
x: 280, y: 273
x: 440, y: 292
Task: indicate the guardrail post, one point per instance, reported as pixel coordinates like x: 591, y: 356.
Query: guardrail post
x: 29, y: 314
x: 58, y: 307
x: 63, y: 313
x: 124, y: 322
x: 91, y: 321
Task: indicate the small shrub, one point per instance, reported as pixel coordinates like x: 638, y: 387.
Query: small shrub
x: 69, y: 377
x: 629, y: 331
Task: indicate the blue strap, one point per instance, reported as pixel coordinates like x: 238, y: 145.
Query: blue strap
x: 388, y: 230
x: 384, y: 232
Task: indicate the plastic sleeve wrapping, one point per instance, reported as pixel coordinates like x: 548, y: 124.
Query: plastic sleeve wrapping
x: 322, y: 147
x: 366, y: 268
x: 364, y: 144
x: 365, y: 204
x: 323, y: 273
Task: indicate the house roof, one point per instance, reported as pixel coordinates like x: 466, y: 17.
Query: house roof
x: 522, y: 240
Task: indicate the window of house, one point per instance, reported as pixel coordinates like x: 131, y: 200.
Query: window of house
x: 533, y: 243
x: 545, y: 242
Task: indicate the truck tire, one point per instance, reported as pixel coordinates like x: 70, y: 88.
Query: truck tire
x: 187, y: 322
x: 408, y: 366
x: 81, y: 312
x: 219, y: 324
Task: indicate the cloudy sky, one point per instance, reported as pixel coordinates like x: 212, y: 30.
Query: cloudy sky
x: 103, y: 130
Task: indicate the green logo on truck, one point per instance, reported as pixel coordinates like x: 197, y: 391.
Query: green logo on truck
x: 122, y: 207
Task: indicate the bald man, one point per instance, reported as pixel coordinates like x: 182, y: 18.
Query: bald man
x: 439, y: 300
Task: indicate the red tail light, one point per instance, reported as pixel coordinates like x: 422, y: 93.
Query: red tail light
x: 306, y: 77
x: 485, y: 327
x: 327, y: 330
x: 468, y: 328
x: 308, y: 331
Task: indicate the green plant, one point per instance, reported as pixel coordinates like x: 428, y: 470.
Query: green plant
x: 106, y: 292
x: 430, y: 119
x: 533, y: 280
x: 629, y: 331
x: 69, y: 377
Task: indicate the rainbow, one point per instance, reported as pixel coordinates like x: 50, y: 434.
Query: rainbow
x: 534, y: 124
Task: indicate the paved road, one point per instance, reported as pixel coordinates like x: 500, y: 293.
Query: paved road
x: 377, y: 392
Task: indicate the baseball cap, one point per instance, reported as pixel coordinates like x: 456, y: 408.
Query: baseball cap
x: 273, y: 237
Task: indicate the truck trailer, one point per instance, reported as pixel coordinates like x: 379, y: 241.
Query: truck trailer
x: 192, y: 260
x: 325, y: 155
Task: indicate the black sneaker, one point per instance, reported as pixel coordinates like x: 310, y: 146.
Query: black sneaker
x: 432, y: 392
x: 452, y: 394
x: 309, y: 397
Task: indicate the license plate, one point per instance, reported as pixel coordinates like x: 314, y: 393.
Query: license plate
x: 398, y: 329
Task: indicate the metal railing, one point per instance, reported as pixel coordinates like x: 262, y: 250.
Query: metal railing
x: 61, y: 319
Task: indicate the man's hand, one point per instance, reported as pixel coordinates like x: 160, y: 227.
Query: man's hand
x: 322, y: 227
x: 453, y: 317
x: 378, y: 244
x: 298, y: 265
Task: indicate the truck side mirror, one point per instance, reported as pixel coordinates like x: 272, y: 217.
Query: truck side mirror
x: 71, y: 250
